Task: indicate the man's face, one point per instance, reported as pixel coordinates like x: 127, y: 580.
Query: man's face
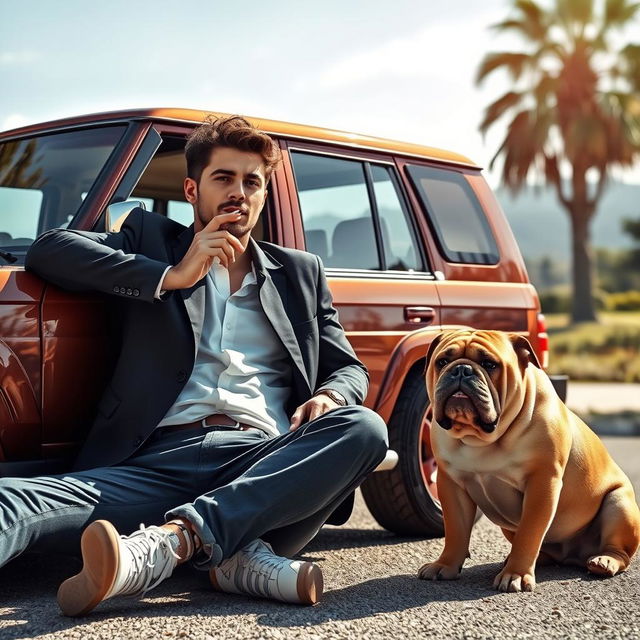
x: 232, y: 181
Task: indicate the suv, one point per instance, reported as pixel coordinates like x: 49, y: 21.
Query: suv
x: 412, y: 238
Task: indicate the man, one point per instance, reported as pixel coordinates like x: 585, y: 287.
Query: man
x: 223, y: 338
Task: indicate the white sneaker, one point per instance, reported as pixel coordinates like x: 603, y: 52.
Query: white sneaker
x: 256, y: 570
x: 118, y: 565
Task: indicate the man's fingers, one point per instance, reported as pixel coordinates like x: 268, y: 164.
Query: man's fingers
x: 317, y: 409
x: 224, y: 235
x: 227, y: 249
x: 217, y: 221
x: 298, y: 417
x: 215, y: 247
x: 215, y: 252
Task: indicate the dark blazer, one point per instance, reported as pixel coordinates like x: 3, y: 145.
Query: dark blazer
x: 159, y: 337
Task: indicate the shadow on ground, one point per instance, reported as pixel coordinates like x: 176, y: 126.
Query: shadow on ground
x: 29, y: 584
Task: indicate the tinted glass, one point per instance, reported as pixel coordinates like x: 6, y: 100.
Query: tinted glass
x: 459, y: 222
x: 44, y: 180
x: 400, y: 250
x: 336, y: 212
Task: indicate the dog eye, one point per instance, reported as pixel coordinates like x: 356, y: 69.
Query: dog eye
x: 442, y: 362
x: 489, y: 365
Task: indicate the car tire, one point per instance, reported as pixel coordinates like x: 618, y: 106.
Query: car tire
x: 405, y: 499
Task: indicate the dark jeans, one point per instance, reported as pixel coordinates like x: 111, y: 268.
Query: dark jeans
x: 248, y: 485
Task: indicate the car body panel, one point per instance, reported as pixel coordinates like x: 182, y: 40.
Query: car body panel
x: 57, y: 348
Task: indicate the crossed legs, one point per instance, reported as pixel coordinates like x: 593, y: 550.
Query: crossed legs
x: 280, y: 488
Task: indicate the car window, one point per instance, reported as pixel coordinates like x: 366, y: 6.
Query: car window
x: 43, y: 180
x: 180, y: 211
x: 398, y: 241
x: 455, y: 214
x: 21, y: 227
x: 336, y: 212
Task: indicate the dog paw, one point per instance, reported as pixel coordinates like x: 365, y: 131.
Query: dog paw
x: 515, y: 580
x: 438, y: 571
x: 604, y: 565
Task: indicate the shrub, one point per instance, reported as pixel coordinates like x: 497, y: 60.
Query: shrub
x: 623, y: 301
x: 558, y: 300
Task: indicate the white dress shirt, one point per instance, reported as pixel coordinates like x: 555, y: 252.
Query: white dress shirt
x: 242, y: 368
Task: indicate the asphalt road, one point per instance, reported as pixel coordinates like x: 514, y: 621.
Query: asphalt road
x: 371, y: 592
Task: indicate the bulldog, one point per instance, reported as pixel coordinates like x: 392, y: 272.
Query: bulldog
x: 505, y: 442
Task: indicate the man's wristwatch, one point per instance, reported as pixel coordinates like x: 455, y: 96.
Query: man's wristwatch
x: 338, y: 398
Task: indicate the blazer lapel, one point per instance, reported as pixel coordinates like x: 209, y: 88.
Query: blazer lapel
x: 272, y: 283
x: 194, y: 297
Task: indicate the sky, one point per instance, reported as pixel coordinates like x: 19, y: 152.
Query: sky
x: 402, y: 69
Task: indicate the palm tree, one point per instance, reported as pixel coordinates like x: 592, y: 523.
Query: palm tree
x: 574, y: 108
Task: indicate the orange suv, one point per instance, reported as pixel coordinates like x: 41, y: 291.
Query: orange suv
x: 412, y: 238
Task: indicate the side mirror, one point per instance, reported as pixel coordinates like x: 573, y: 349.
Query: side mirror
x: 117, y: 213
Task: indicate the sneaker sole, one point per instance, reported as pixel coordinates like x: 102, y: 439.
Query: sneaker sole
x: 309, y: 586
x: 100, y: 554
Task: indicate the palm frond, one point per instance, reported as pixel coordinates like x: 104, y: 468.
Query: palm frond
x: 618, y: 13
x: 498, y: 108
x: 560, y: 113
x: 535, y: 19
x: 519, y: 150
x: 515, y: 64
x: 577, y: 13
x: 546, y: 88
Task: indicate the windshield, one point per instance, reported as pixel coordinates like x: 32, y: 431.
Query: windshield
x: 43, y: 180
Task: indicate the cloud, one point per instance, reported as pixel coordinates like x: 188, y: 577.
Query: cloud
x: 18, y: 57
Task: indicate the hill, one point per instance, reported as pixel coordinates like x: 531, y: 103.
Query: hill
x: 541, y: 226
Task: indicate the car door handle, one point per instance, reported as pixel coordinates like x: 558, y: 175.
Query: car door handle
x: 419, y: 314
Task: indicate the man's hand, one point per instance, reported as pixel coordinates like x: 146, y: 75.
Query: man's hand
x: 206, y: 245
x: 311, y: 409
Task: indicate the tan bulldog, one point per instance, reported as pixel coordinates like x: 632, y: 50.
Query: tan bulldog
x: 505, y: 442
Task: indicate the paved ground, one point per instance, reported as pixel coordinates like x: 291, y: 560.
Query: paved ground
x: 371, y: 592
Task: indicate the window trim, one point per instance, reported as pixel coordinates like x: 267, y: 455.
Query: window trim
x: 409, y: 219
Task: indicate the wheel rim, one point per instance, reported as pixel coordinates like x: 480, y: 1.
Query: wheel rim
x: 428, y: 464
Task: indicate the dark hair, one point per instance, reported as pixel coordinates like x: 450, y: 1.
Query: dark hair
x: 231, y: 131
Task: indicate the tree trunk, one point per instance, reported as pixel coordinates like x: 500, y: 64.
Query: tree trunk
x: 582, y: 305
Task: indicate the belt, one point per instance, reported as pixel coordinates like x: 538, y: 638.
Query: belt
x: 215, y: 420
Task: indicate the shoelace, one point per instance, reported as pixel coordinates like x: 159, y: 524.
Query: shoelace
x: 148, y: 547
x: 261, y: 569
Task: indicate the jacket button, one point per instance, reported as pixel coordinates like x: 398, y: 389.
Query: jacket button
x: 182, y: 375
x: 138, y: 441
x: 136, y: 292
x: 129, y: 292
x: 116, y: 289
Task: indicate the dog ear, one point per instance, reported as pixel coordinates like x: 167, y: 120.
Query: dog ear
x: 432, y: 347
x: 525, y: 351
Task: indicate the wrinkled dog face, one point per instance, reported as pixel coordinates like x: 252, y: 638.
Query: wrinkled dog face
x: 462, y: 376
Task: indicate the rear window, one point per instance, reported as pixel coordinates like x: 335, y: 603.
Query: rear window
x: 456, y: 216
x: 43, y: 180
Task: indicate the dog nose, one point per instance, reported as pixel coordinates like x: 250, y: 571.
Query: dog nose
x: 463, y: 371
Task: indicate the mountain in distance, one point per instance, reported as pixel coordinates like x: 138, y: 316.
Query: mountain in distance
x: 541, y: 225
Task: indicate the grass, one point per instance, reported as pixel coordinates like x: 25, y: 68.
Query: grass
x: 606, y: 351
